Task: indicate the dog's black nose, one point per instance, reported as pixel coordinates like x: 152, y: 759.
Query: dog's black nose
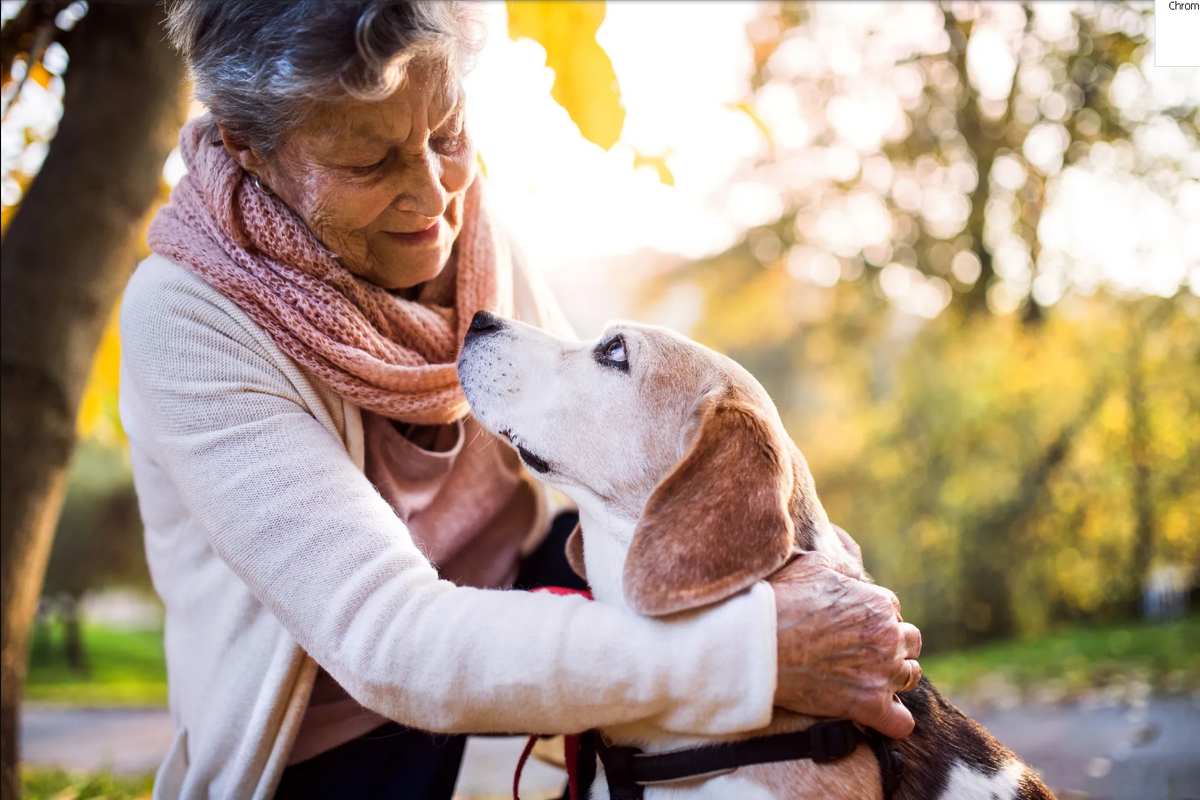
x: 485, y: 322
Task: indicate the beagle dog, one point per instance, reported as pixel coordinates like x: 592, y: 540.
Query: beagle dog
x: 689, y: 491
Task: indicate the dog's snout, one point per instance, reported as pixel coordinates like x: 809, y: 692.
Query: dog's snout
x: 485, y: 322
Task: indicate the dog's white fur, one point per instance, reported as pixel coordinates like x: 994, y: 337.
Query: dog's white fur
x: 609, y: 436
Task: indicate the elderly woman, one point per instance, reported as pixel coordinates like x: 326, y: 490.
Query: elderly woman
x: 333, y: 535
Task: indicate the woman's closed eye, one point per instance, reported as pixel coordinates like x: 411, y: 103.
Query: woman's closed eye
x: 371, y: 168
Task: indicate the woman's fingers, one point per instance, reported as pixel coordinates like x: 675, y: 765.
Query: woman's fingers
x: 891, y: 719
x: 907, y: 676
x: 910, y: 638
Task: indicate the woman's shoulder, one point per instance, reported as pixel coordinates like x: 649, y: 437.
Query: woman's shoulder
x: 163, y: 300
x: 159, y: 284
x: 178, y: 330
x: 168, y: 314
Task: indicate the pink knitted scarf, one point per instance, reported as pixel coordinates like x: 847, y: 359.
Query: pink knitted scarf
x: 387, y: 354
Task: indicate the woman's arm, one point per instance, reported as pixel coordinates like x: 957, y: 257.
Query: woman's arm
x: 287, y: 510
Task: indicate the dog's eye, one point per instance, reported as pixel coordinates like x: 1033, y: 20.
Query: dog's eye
x: 612, y: 354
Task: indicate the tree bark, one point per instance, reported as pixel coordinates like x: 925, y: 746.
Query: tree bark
x: 66, y: 256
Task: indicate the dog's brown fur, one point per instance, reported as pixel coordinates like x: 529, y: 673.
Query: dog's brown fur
x: 944, y: 735
x: 688, y: 518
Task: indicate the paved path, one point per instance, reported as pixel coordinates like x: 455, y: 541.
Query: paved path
x: 123, y: 740
x: 1105, y: 753
x: 134, y: 741
x: 1147, y: 753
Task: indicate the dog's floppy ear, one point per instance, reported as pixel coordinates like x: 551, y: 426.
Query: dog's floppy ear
x: 575, y: 552
x: 719, y: 521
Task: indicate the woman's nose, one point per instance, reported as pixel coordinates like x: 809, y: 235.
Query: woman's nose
x: 423, y: 192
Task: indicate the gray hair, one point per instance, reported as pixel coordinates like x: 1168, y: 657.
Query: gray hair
x: 258, y: 65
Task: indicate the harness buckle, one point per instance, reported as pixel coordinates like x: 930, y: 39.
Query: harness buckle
x: 833, y: 740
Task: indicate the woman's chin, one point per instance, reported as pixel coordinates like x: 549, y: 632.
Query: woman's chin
x: 408, y: 269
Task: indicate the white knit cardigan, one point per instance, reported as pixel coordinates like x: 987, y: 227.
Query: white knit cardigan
x: 273, y: 553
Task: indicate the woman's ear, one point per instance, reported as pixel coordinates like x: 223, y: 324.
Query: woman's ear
x: 719, y: 521
x: 248, y: 157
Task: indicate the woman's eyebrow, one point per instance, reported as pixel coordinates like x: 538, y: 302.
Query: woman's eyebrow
x: 454, y: 111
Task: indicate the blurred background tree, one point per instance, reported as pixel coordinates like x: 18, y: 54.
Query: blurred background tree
x: 97, y: 543
x: 1012, y: 438
x: 70, y: 243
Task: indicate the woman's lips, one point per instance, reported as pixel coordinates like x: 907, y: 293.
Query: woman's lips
x: 426, y: 236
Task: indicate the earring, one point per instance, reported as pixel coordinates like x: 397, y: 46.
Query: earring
x: 262, y: 187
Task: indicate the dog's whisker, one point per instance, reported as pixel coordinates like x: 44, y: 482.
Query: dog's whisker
x: 478, y: 435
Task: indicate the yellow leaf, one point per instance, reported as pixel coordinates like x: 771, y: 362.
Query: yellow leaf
x: 98, y: 408
x: 39, y: 75
x: 584, y: 81
x: 6, y: 215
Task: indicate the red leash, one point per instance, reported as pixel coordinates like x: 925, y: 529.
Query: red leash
x: 570, y: 741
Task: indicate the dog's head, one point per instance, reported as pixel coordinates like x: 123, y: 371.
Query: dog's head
x: 650, y: 427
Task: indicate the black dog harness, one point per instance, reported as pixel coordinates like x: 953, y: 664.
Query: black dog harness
x: 629, y: 770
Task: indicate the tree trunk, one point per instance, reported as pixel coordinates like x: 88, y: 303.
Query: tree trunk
x: 67, y: 253
x: 987, y: 138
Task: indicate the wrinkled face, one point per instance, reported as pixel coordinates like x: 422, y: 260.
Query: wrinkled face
x: 382, y: 183
x: 600, y: 420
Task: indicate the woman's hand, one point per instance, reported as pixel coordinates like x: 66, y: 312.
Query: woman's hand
x: 842, y: 647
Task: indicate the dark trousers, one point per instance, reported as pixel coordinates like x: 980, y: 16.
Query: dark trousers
x: 399, y: 763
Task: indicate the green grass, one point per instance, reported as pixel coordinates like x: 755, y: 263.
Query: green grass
x: 124, y: 668
x: 52, y: 783
x: 1166, y: 656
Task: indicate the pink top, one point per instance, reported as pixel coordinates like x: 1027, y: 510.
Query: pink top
x: 469, y: 506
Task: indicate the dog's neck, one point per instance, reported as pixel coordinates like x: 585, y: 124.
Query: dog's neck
x: 606, y: 540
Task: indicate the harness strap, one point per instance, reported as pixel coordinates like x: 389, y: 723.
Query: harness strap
x: 629, y: 770
x: 891, y: 761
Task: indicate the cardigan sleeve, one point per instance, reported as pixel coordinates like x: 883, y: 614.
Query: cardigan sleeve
x: 284, y: 506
